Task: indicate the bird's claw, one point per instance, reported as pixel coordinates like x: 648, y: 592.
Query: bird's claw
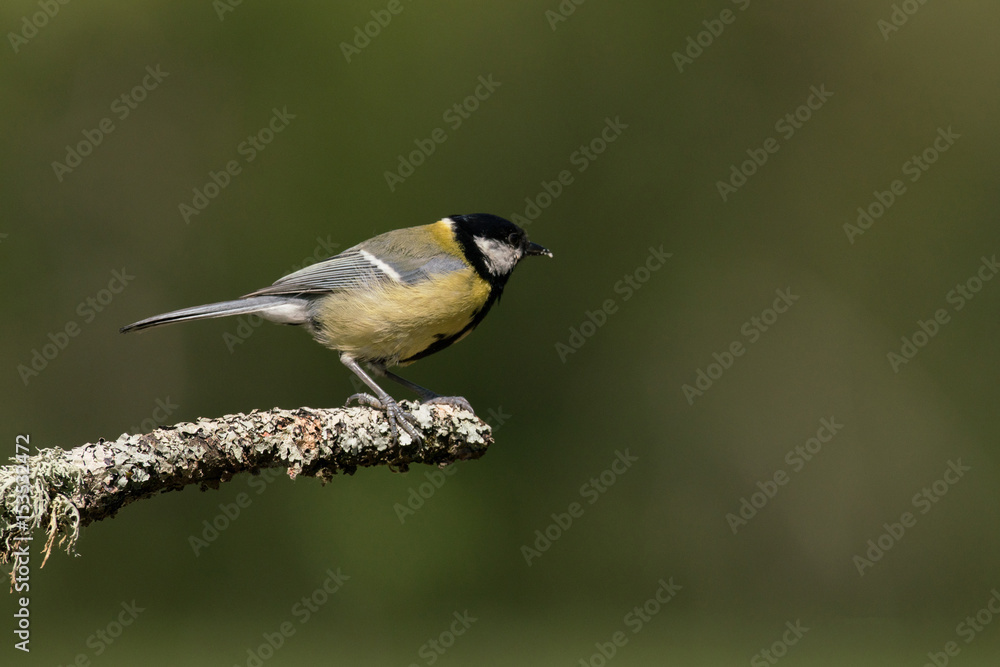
x: 398, y: 418
x: 454, y: 401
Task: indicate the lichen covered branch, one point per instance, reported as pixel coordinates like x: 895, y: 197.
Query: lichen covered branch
x: 67, y: 490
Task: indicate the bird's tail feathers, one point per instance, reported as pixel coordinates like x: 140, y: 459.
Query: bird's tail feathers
x: 282, y: 309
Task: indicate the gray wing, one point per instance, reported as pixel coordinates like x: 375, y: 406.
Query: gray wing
x: 356, y: 267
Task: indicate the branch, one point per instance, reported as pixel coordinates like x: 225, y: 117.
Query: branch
x: 68, y: 490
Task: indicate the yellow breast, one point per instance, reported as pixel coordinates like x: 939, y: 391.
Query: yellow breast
x: 395, y: 321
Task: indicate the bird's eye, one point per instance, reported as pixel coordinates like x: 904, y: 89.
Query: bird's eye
x: 514, y: 239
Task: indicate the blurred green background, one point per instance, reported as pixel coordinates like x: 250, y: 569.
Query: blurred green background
x: 893, y: 80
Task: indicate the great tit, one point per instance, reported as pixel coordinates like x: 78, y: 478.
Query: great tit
x: 390, y: 300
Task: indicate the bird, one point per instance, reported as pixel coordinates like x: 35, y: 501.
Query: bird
x: 390, y: 301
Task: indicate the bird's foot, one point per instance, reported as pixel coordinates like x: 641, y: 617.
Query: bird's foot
x: 454, y: 401
x: 398, y: 418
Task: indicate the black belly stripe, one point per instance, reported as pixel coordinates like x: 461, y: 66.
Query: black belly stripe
x: 447, y: 340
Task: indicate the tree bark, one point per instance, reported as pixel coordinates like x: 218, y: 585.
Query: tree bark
x: 64, y: 491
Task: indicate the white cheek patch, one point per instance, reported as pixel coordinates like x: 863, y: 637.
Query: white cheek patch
x: 382, y: 266
x: 500, y: 257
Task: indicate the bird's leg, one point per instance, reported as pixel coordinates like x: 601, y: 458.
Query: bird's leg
x: 397, y: 416
x: 429, y: 397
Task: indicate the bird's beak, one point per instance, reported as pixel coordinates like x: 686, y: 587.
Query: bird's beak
x: 535, y: 249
